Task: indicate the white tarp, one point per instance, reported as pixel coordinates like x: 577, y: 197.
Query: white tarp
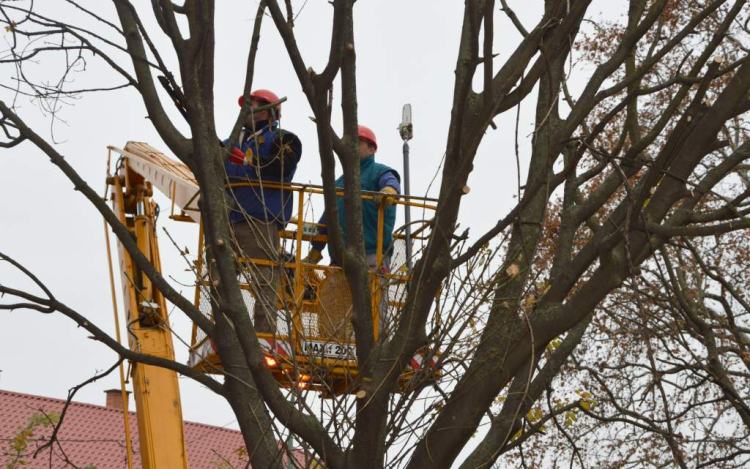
x: 172, y: 178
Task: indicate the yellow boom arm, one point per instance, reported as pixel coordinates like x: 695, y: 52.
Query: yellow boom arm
x: 156, y: 390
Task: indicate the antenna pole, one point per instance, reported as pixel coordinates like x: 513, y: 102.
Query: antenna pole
x: 406, y: 130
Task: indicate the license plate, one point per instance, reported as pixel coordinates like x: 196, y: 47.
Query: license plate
x: 328, y: 349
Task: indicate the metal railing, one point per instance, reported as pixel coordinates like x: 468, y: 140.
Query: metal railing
x: 314, y: 301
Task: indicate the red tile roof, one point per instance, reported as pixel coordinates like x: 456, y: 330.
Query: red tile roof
x: 95, y: 435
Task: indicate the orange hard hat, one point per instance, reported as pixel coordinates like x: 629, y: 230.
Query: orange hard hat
x: 263, y: 95
x: 367, y: 134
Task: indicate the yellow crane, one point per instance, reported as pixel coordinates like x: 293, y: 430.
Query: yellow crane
x: 313, y: 347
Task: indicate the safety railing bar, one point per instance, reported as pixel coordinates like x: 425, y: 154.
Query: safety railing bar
x: 316, y: 189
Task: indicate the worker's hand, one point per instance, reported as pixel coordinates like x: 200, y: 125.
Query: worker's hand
x: 236, y: 156
x: 384, y: 198
x: 313, y: 257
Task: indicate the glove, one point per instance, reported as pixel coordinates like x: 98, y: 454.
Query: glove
x: 385, y: 199
x: 236, y: 156
x: 313, y: 257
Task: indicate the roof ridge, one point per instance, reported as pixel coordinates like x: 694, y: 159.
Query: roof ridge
x: 109, y: 409
x: 63, y: 401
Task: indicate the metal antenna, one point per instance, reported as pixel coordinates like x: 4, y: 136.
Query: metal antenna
x: 406, y: 130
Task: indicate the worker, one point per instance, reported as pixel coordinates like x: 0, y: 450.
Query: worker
x: 374, y: 177
x: 263, y: 154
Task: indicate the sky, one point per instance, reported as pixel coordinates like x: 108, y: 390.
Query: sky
x: 406, y: 53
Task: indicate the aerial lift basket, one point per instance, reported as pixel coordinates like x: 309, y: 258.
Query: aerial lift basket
x: 313, y: 345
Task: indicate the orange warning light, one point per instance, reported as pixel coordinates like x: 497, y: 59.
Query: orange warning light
x: 271, y: 362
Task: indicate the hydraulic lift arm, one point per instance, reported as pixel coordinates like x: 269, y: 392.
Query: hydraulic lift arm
x: 156, y: 390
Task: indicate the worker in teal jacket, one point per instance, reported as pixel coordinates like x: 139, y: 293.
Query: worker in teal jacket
x: 374, y: 177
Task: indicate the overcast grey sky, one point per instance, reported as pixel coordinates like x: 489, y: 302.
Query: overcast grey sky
x: 406, y: 52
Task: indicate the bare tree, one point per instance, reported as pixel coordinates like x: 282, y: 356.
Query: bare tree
x: 621, y: 177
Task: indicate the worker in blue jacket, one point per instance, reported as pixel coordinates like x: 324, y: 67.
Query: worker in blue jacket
x: 264, y: 154
x: 374, y: 177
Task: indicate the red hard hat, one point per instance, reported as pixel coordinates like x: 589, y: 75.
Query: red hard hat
x: 263, y: 95
x: 367, y: 134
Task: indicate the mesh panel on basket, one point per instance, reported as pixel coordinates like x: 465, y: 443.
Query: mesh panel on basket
x: 204, y: 305
x: 249, y: 300
x: 327, y: 305
x: 335, y: 307
x: 398, y: 255
x: 310, y: 325
x: 204, y: 301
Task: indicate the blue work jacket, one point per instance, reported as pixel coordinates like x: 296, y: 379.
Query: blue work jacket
x: 271, y: 155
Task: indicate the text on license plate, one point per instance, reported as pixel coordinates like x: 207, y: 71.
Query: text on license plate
x: 328, y: 349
